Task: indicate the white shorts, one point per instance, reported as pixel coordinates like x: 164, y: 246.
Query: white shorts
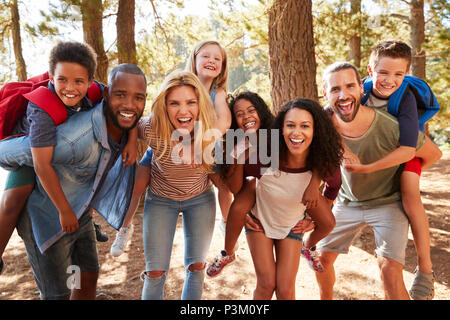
x: 389, y: 223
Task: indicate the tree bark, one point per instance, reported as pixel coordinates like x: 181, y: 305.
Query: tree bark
x: 291, y: 52
x: 92, y: 17
x: 21, y: 68
x: 126, y: 45
x: 355, y: 39
x: 417, y: 23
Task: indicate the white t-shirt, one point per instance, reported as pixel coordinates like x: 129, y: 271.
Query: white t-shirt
x: 278, y: 200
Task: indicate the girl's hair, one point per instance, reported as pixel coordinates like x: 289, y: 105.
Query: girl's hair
x: 76, y: 52
x: 265, y: 115
x: 161, y: 125
x: 325, y: 151
x: 221, y: 80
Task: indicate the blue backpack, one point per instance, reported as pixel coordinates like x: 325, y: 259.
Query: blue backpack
x: 427, y: 104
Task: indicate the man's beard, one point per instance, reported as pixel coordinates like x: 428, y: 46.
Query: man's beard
x: 347, y: 117
x: 115, y: 121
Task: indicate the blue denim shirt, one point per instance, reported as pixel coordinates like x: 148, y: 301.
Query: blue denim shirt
x: 79, y: 159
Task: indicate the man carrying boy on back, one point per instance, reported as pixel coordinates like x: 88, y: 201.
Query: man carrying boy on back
x: 87, y: 161
x: 365, y: 198
x: 390, y: 61
x: 71, y: 76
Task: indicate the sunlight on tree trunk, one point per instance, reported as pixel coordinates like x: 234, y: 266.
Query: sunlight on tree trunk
x: 291, y: 51
x: 417, y: 22
x: 21, y: 69
x: 355, y: 39
x: 92, y: 17
x: 126, y: 46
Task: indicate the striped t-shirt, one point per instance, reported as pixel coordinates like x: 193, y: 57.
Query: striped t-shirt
x: 176, y: 181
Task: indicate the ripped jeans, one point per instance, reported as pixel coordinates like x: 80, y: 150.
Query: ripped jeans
x: 159, y: 225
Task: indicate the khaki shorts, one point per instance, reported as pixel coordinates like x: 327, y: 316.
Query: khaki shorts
x: 389, y: 223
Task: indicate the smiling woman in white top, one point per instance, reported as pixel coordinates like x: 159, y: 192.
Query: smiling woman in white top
x: 307, y: 142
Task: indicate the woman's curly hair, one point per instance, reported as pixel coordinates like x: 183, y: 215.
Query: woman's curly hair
x: 325, y: 152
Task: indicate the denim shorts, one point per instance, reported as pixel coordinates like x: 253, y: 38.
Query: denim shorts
x: 74, y: 253
x: 291, y: 234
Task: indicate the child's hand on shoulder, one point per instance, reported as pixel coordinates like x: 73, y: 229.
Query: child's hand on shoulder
x: 350, y: 157
x: 357, y: 167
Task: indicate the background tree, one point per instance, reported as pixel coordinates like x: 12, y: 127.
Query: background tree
x: 355, y: 38
x: 291, y: 51
x: 164, y: 35
x: 21, y: 68
x: 125, y: 23
x: 92, y: 17
x: 10, y: 27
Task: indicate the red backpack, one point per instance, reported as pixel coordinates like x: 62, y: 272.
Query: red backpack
x: 14, y: 97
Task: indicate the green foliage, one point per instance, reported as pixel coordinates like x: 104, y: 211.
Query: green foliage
x: 165, y: 35
x: 381, y: 19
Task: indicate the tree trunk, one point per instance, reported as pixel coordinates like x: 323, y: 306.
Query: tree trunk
x: 355, y: 39
x: 92, y: 16
x: 126, y: 46
x: 291, y: 52
x: 21, y: 68
x: 417, y: 22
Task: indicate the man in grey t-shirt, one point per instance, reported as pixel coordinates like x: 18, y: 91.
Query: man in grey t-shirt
x: 365, y: 198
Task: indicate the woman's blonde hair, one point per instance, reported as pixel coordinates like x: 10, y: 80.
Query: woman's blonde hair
x: 162, y: 127
x: 221, y: 80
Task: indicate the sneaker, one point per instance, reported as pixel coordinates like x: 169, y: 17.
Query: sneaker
x: 121, y: 241
x: 312, y: 257
x: 219, y: 263
x: 423, y: 286
x: 2, y: 264
x: 99, y: 235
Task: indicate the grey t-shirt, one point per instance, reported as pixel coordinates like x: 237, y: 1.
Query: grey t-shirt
x: 380, y: 187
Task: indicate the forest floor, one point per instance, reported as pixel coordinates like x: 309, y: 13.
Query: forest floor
x: 357, y: 272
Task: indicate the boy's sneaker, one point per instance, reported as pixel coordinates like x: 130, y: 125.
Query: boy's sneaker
x: 312, y: 257
x: 121, y: 241
x: 99, y: 235
x: 219, y: 263
x: 2, y: 264
x: 423, y: 286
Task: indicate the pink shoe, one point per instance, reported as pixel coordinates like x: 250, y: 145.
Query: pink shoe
x: 219, y: 263
x: 312, y: 257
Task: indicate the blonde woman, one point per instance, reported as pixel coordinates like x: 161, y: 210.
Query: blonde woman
x: 179, y: 182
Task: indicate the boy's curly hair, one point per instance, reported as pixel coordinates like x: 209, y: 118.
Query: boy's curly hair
x: 325, y: 152
x: 76, y: 52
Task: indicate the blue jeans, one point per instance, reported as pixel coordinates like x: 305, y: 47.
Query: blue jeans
x: 159, y: 225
